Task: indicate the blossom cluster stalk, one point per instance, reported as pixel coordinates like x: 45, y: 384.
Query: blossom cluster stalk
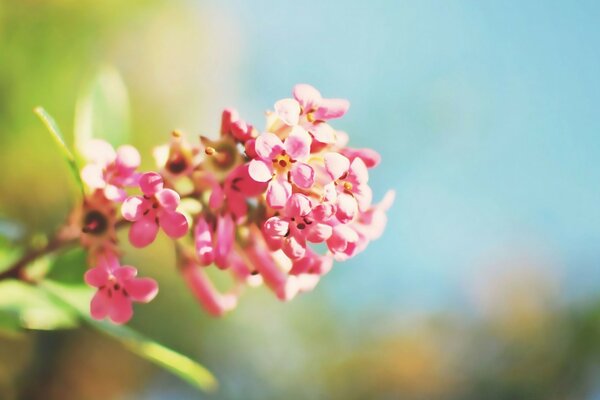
x: 274, y: 207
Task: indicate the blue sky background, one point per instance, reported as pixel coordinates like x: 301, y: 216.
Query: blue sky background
x: 485, y: 113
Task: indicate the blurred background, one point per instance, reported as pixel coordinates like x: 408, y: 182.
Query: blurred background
x: 486, y: 284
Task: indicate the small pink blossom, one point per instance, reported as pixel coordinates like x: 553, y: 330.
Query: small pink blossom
x: 348, y: 188
x: 214, y: 303
x: 110, y: 170
x: 295, y: 227
x: 280, y: 162
x: 157, y: 207
x: 310, y: 110
x: 117, y: 287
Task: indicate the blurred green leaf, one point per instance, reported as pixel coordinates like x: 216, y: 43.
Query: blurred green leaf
x: 33, y: 308
x: 10, y: 325
x: 102, y: 110
x: 54, y: 130
x: 78, y: 297
x: 69, y: 266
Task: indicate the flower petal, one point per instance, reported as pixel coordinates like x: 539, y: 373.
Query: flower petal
x: 268, y: 146
x: 124, y: 273
x: 323, y: 132
x: 346, y: 208
x: 205, y: 292
x: 294, y: 248
x: 128, y: 157
x: 133, y: 208
x: 358, y: 171
x: 336, y: 165
x: 260, y: 171
x: 168, y: 199
x: 93, y: 176
x: 99, y: 305
x: 120, y: 309
x: 318, y: 233
x: 297, y: 144
x: 302, y: 175
x: 143, y: 232
x: 142, y: 290
x: 151, y: 183
x: 278, y: 193
x: 98, y: 151
x: 203, y: 242
x: 331, y: 108
x: 307, y: 96
x: 224, y: 240
x: 276, y: 227
x: 174, y: 224
x: 288, y: 110
x: 298, y: 206
x: 96, y: 277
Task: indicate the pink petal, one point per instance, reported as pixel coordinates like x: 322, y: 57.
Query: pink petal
x: 297, y: 144
x: 124, y: 273
x: 227, y: 117
x: 358, y: 171
x: 114, y: 193
x: 288, y: 110
x: 318, y: 233
x: 364, y: 196
x: 203, y: 241
x: 96, y: 277
x: 217, y: 197
x: 323, y: 212
x: 336, y: 165
x: 168, y: 199
x: 93, y: 176
x: 109, y: 261
x: 278, y: 193
x: 151, y: 183
x: 142, y: 289
x: 174, y: 224
x: 370, y: 157
x: 302, y: 175
x: 323, y: 132
x: 298, y: 206
x: 268, y: 146
x: 346, y: 208
x: 128, y: 157
x: 133, y: 208
x: 143, y: 232
x: 99, y: 151
x: 273, y: 276
x: 307, y: 96
x: 120, y: 309
x: 224, y: 240
x: 99, y: 305
x: 332, y: 108
x: 276, y: 227
x: 260, y: 171
x: 237, y: 206
x: 330, y: 193
x: 293, y: 248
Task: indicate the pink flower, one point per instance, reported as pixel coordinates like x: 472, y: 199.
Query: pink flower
x: 281, y: 162
x: 296, y: 227
x: 158, y: 206
x: 117, y: 288
x: 110, y: 171
x: 310, y: 110
x: 231, y: 124
x: 214, y: 244
x: 348, y: 188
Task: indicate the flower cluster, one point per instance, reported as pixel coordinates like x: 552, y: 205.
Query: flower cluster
x: 274, y: 207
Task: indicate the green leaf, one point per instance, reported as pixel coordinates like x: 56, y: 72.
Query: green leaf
x: 54, y: 130
x: 33, y: 308
x: 69, y: 266
x: 102, y: 111
x: 78, y: 297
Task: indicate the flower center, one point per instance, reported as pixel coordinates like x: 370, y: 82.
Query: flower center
x: 94, y: 223
x: 282, y: 162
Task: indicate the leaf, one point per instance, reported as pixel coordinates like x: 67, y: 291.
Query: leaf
x: 102, y: 111
x: 69, y: 266
x: 54, y: 130
x: 33, y: 308
x: 78, y: 298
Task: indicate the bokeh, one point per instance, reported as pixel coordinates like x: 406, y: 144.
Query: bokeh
x: 486, y: 284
